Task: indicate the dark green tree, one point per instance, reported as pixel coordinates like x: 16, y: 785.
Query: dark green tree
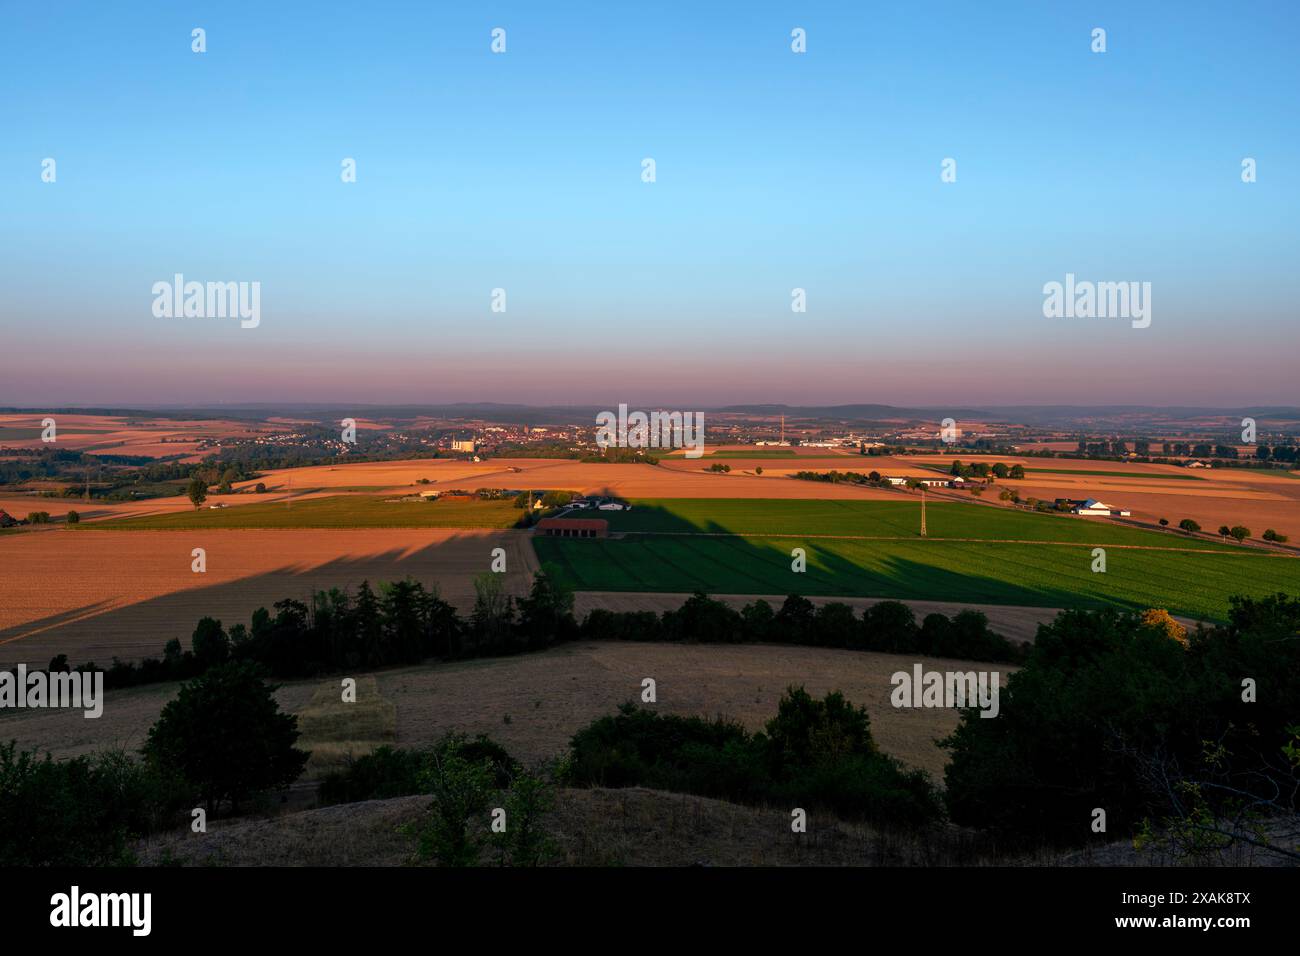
x: 225, y: 736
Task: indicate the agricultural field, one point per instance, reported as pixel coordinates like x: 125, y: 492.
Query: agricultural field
x: 1195, y: 584
x: 884, y: 519
x: 184, y: 440
x: 96, y: 595
x: 677, y: 478
x: 534, y: 703
x: 336, y: 511
x: 973, y: 555
x: 1258, y: 499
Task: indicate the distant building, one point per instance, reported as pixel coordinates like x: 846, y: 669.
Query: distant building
x: 1092, y: 506
x: 465, y: 445
x: 6, y: 521
x: 928, y: 482
x: 573, y: 527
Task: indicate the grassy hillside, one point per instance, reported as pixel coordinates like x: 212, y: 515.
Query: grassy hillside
x: 342, y: 511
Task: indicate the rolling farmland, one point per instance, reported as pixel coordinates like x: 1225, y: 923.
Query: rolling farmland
x: 872, y: 549
x: 337, y: 511
x: 883, y: 519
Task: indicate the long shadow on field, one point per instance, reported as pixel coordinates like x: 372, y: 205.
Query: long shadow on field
x: 142, y: 628
x: 739, y: 565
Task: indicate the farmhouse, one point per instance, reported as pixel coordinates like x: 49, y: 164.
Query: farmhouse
x: 1091, y: 506
x: 573, y: 527
x: 928, y: 482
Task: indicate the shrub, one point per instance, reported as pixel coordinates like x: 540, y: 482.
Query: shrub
x: 225, y: 736
x: 78, y: 812
x: 1106, y: 696
x: 454, y: 827
x: 73, y: 517
x: 814, y: 752
x: 389, y: 772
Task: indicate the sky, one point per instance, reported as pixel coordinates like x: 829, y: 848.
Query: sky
x: 774, y: 171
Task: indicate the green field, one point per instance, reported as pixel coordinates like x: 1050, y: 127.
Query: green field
x: 744, y: 547
x: 889, y: 519
x: 353, y: 511
x: 1041, y: 575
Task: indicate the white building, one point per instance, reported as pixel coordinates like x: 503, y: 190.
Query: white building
x: 1094, y: 507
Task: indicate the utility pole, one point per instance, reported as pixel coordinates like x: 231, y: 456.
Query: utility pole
x: 923, y: 511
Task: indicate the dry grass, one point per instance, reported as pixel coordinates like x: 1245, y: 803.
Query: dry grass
x: 336, y: 731
x: 549, y: 696
x: 631, y: 827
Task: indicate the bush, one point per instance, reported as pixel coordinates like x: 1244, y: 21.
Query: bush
x: 389, y: 772
x: 73, y: 517
x: 1190, y: 526
x: 38, y: 517
x: 78, y: 812
x: 1271, y: 535
x: 454, y: 828
x: 1104, y: 696
x: 814, y: 753
x: 225, y: 736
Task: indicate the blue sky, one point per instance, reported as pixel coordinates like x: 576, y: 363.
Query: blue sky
x: 774, y: 170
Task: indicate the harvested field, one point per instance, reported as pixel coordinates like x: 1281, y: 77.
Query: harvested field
x: 685, y: 479
x: 186, y: 440
x: 1212, y: 497
x: 128, y: 715
x: 94, y: 595
x: 551, y: 695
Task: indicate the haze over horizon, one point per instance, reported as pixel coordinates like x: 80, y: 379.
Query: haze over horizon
x: 775, y: 171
